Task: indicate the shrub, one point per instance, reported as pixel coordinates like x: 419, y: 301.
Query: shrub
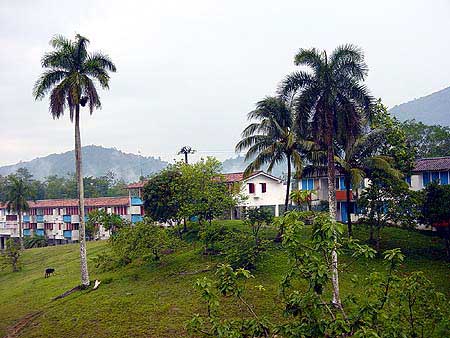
x: 143, y: 240
x: 35, y: 242
x: 11, y: 255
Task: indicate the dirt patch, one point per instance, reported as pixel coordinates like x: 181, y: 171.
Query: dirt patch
x: 14, y: 330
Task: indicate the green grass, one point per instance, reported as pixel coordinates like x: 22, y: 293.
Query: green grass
x: 155, y: 300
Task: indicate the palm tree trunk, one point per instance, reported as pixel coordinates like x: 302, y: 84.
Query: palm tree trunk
x: 286, y: 201
x: 82, y: 231
x: 22, y: 247
x: 348, y: 200
x: 288, y: 187
x: 332, y: 208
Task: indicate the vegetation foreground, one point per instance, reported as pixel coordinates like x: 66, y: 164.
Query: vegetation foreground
x: 158, y: 299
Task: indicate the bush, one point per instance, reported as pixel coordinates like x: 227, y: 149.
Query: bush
x: 241, y: 251
x: 11, y: 255
x: 35, y: 242
x: 143, y: 240
x: 212, y: 237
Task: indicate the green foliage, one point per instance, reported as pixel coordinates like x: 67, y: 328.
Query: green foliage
x: 143, y: 240
x: 436, y: 211
x: 228, y: 283
x: 436, y: 206
x: 53, y: 187
x: 392, y: 305
x: 396, y: 144
x: 111, y: 222
x: 256, y: 218
x: 428, y: 141
x: 11, y: 255
x: 35, y: 241
x: 184, y: 191
x: 389, y: 201
x: 160, y: 198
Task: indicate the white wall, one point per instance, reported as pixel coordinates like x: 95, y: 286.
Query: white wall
x: 275, y: 192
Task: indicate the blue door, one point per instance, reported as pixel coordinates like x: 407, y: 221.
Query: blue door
x: 344, y: 212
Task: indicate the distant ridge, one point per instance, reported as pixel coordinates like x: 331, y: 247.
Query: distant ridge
x: 430, y: 109
x: 97, y: 161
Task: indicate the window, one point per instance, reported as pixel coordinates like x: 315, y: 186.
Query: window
x: 444, y: 177
x: 308, y: 184
x: 435, y: 177
x: 425, y: 178
x: 251, y: 188
x: 263, y: 187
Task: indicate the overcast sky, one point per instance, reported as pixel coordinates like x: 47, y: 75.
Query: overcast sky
x: 189, y: 71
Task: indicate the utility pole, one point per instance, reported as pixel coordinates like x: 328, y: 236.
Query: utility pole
x: 186, y: 150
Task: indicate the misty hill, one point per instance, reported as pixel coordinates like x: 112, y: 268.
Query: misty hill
x: 430, y: 109
x: 97, y: 161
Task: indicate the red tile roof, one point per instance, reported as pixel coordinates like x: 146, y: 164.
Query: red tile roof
x: 232, y: 177
x: 89, y: 202
x: 136, y: 185
x: 432, y: 164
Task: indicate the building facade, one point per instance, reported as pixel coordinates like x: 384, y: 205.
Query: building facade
x: 258, y: 190
x: 425, y: 171
x: 58, y: 219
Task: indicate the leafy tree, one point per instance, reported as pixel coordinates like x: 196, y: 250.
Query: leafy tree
x: 69, y: 76
x: 110, y: 222
x: 11, y: 255
x: 160, y: 196
x: 143, y: 241
x: 395, y: 145
x: 256, y: 218
x: 301, y: 197
x: 394, y: 305
x: 436, y: 211
x: 332, y: 97
x: 272, y: 139
x: 18, y: 191
x: 389, y: 201
x: 428, y: 141
x: 357, y: 158
x: 201, y: 192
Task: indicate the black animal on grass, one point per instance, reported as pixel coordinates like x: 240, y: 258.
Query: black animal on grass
x: 49, y: 272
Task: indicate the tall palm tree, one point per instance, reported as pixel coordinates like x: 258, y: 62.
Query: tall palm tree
x: 272, y: 139
x: 330, y: 94
x: 69, y: 78
x: 17, y: 193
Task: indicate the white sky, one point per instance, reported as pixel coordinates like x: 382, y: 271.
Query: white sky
x: 189, y: 71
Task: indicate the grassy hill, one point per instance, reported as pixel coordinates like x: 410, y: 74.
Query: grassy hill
x: 156, y: 300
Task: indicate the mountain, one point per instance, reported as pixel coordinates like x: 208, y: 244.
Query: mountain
x: 430, y: 109
x: 97, y: 161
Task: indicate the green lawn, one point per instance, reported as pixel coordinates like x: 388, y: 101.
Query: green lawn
x: 156, y: 300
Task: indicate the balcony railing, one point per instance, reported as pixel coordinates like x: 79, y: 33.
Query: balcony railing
x: 136, y: 201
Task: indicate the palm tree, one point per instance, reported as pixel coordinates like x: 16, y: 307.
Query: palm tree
x: 17, y: 193
x: 357, y: 159
x: 330, y: 95
x: 272, y: 139
x: 69, y: 76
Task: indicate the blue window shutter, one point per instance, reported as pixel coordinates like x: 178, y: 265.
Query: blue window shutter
x: 435, y: 177
x: 310, y: 184
x: 408, y: 180
x: 304, y: 184
x: 444, y: 177
x: 425, y: 178
x: 342, y: 183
